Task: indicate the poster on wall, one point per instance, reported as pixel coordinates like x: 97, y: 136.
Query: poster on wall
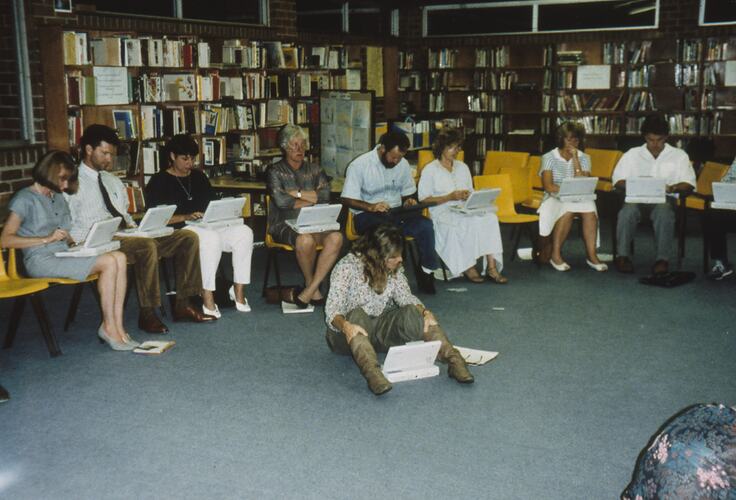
x: 346, y: 128
x: 62, y: 5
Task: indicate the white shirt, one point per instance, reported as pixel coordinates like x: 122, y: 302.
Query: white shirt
x: 368, y: 180
x: 87, y: 205
x: 672, y: 165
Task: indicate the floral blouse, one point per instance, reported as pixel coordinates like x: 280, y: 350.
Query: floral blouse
x: 349, y: 290
x: 693, y: 456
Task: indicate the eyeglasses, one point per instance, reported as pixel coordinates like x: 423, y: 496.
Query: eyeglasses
x: 301, y: 146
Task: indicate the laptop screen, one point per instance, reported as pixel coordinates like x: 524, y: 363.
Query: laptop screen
x: 226, y: 208
x: 483, y: 198
x: 318, y: 214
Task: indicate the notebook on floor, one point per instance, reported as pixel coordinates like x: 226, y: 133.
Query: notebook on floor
x: 411, y: 361
x: 577, y: 189
x: 483, y: 200
x: 724, y: 196
x: 221, y: 213
x: 316, y: 219
x: 153, y: 224
x: 645, y: 190
x: 99, y: 240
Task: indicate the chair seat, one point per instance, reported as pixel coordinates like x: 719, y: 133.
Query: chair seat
x: 69, y: 281
x: 13, y: 288
x: 603, y: 185
x: 695, y: 202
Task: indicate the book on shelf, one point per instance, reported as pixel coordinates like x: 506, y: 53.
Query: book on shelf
x: 111, y: 85
x: 125, y: 123
x: 214, y: 151
x: 570, y: 57
x: 291, y: 57
x: 179, y: 87
x: 75, y: 48
x: 274, y: 55
x: 154, y: 347
x: 640, y: 101
x: 136, y: 200
x: 716, y: 50
x: 640, y: 53
x: 106, y: 51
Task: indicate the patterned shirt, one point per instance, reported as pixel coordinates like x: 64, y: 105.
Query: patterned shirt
x: 281, y: 178
x: 349, y: 290
x: 368, y: 180
x: 87, y: 205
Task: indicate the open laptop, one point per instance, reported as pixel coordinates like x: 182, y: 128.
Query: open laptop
x: 411, y: 361
x: 724, y: 196
x: 221, y: 213
x: 645, y: 190
x: 153, y: 224
x: 576, y: 189
x: 316, y: 219
x: 483, y: 200
x: 99, y: 240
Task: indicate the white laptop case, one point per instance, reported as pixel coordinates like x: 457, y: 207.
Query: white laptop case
x: 412, y: 361
x: 316, y: 219
x: 576, y: 189
x: 645, y: 190
x: 99, y: 240
x: 222, y: 213
x: 153, y: 224
x: 724, y: 196
x: 481, y: 201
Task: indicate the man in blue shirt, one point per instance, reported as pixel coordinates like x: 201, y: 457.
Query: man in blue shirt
x: 379, y: 188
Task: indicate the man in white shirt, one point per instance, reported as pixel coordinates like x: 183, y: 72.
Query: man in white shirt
x: 656, y: 159
x: 377, y: 182
x: 101, y: 195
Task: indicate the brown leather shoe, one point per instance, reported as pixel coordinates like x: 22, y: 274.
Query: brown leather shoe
x: 623, y: 264
x: 149, y: 323
x: 189, y: 313
x: 660, y: 267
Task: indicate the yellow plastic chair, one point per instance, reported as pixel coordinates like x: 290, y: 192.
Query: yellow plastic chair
x: 535, y: 181
x: 496, y: 160
x: 426, y: 156
x: 506, y: 210
x: 274, y: 248
x: 602, y: 164
x: 76, y: 294
x: 20, y: 289
x: 520, y: 185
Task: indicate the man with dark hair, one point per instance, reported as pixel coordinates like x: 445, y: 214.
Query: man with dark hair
x: 656, y: 159
x: 377, y: 182
x: 100, y: 196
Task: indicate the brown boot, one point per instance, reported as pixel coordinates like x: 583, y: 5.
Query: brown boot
x: 365, y: 357
x: 456, y: 367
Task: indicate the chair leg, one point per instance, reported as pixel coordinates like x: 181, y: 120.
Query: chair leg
x: 268, y: 271
x: 73, y: 305
x: 15, y: 314
x: 276, y: 270
x: 43, y: 321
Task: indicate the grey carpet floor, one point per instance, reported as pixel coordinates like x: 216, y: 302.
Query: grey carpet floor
x: 255, y: 405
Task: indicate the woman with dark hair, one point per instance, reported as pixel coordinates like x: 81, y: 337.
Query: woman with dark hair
x: 460, y: 239
x: 39, y: 224
x: 189, y: 189
x: 371, y: 308
x: 555, y: 216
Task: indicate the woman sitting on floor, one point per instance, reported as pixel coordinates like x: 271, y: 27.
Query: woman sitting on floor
x: 39, y: 224
x: 555, y: 216
x: 370, y: 307
x: 460, y: 239
x: 190, y: 190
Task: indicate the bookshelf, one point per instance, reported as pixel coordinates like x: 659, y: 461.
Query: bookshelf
x: 512, y: 97
x: 232, y: 95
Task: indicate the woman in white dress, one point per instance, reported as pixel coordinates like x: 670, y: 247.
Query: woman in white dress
x: 555, y: 216
x: 460, y: 239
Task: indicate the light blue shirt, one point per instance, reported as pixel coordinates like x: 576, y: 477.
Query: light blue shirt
x: 368, y: 180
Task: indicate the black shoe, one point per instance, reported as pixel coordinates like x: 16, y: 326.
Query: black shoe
x: 425, y: 282
x: 4, y: 396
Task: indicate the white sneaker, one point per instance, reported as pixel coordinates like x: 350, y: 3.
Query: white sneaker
x: 244, y: 307
x: 216, y: 313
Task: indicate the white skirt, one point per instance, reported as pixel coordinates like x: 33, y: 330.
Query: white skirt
x: 552, y: 209
x: 460, y: 240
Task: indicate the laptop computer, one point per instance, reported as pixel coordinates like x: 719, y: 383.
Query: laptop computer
x: 483, y: 200
x: 316, y: 219
x: 576, y: 189
x: 645, y: 190
x: 153, y: 224
x: 724, y: 196
x: 221, y: 213
x: 411, y: 361
x: 99, y: 240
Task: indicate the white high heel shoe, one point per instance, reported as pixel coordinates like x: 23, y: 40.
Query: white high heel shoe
x: 560, y: 267
x: 598, y: 267
x: 114, y: 344
x: 244, y: 307
x: 216, y: 312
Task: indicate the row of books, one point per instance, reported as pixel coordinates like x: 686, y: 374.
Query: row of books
x: 640, y: 101
x: 410, y: 81
x: 495, y: 81
x: 491, y: 125
x: 641, y: 77
x: 135, y: 51
x: 598, y: 125
x: 494, y: 57
x: 578, y: 102
x: 442, y: 58
x: 406, y: 59
x: 689, y: 50
x: 687, y: 75
x: 436, y: 103
x: 570, y: 57
x: 485, y: 102
x: 716, y: 50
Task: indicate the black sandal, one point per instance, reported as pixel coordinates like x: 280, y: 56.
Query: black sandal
x: 296, y: 300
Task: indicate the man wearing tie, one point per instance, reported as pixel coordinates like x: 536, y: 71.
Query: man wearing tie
x: 101, y: 195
